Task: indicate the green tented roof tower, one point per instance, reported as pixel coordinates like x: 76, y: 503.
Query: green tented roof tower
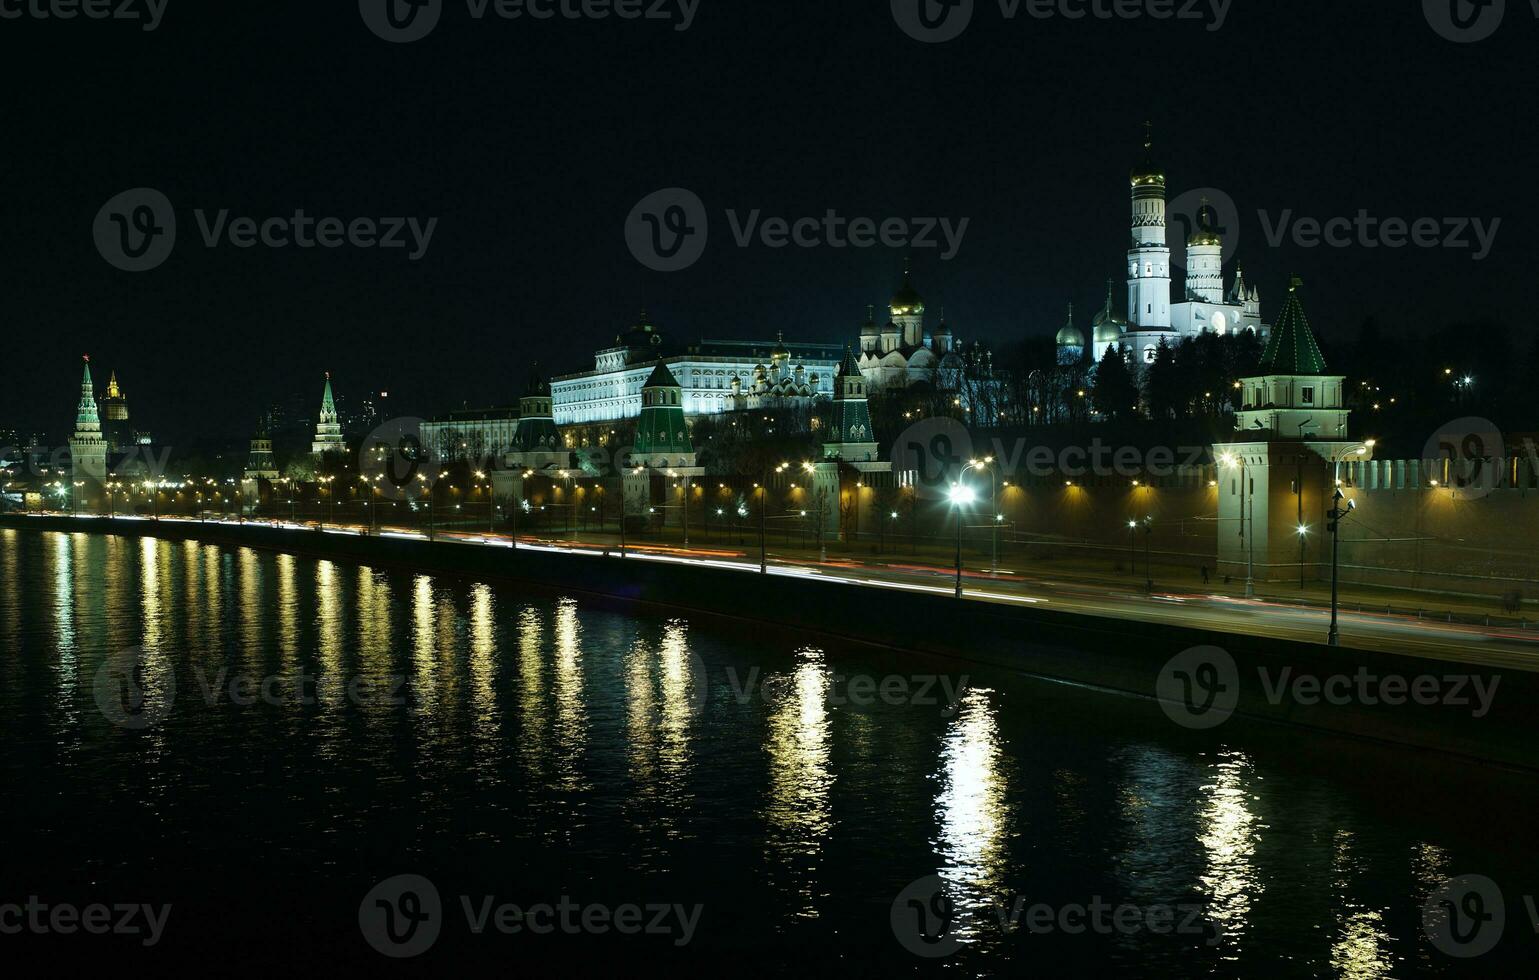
x: 850, y: 438
x: 662, y: 438
x: 536, y: 432
x: 1292, y: 348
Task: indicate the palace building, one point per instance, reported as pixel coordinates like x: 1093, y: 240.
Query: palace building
x: 714, y: 376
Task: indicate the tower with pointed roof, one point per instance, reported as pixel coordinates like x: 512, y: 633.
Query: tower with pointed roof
x: 662, y: 438
x: 260, y: 462
x: 1205, y: 258
x: 1276, y: 478
x: 536, y: 431
x: 1293, y: 396
x: 87, y: 447
x: 851, y: 437
x: 328, y: 430
x: 1149, y: 254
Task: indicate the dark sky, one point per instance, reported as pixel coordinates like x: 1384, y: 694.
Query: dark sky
x: 531, y: 142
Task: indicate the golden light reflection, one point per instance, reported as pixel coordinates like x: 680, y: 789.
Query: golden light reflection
x: 571, y: 729
x: 61, y: 553
x: 972, y: 809
x: 288, y: 613
x: 1359, y: 950
x: 659, y: 723
x: 532, y: 717
x: 1228, y: 833
x: 252, y: 638
x: 330, y: 633
x: 798, y: 812
x: 150, y: 579
x: 375, y: 618
x: 424, y: 645
x: 483, y: 668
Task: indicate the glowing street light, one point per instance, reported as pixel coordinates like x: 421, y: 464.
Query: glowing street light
x: 961, y: 496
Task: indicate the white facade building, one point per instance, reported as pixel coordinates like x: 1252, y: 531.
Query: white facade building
x: 716, y: 376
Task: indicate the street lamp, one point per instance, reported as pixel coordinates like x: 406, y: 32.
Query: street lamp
x: 1337, y: 515
x: 1303, y: 536
x: 331, y: 499
x: 427, y: 487
x: 149, y: 488
x: 1231, y: 460
x: 491, y: 513
x: 961, y: 495
x: 987, y: 462
x: 820, y: 508
x: 1148, y: 572
x: 1132, y: 548
x: 74, y: 499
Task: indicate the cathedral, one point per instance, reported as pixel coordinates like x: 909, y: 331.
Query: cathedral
x: 1206, y: 306
x: 900, y: 353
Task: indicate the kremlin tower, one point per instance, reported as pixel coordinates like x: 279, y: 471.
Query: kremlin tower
x: 328, y: 431
x: 88, y: 450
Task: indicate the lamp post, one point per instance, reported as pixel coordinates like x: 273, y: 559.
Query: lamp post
x: 427, y: 487
x: 110, y: 487
x: 961, y: 495
x: 491, y: 513
x: 1303, y: 537
x: 1231, y: 460
x: 149, y: 488
x: 763, y: 509
x: 1337, y: 515
x: 1132, y: 548
x: 74, y: 499
x: 987, y: 462
x: 331, y: 499
x: 820, y: 505
x: 1148, y: 571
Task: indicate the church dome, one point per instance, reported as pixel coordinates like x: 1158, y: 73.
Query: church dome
x: 1148, y: 172
x: 781, y: 352
x: 1070, y: 336
x: 1206, y: 233
x: 907, y: 301
x: 1109, y: 330
x: 869, y: 328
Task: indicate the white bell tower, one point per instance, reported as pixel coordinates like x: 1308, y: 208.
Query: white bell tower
x: 1149, y: 258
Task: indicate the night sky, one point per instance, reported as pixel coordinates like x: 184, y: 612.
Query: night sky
x: 531, y: 142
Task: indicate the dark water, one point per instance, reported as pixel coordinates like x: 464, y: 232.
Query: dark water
x: 552, y: 749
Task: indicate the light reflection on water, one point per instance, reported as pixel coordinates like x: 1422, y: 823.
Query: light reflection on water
x: 1229, y: 834
x: 973, y: 810
x: 551, y: 742
x: 797, y: 810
